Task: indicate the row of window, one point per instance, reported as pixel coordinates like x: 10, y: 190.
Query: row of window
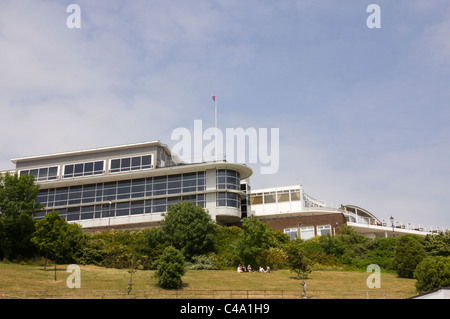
x: 42, y: 174
x: 307, y: 232
x: 126, y: 208
x: 120, y: 190
x: 275, y: 197
x: 131, y: 163
x: 83, y: 169
x: 91, y: 168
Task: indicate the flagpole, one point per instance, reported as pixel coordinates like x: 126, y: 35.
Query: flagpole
x: 215, y: 122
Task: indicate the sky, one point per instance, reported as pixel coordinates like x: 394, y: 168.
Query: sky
x: 363, y: 113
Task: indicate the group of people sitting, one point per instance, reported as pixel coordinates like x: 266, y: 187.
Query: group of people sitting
x: 241, y: 268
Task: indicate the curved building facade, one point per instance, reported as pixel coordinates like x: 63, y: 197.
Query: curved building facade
x: 132, y: 186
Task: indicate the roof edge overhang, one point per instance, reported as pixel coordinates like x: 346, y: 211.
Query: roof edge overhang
x: 91, y: 151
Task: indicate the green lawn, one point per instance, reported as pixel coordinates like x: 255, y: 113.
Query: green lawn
x: 31, y: 281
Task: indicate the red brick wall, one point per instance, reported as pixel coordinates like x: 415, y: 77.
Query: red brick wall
x: 280, y: 223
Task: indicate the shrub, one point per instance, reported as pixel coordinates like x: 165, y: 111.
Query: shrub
x: 432, y: 273
x: 170, y: 268
x: 409, y: 252
x: 273, y: 257
x: 206, y: 262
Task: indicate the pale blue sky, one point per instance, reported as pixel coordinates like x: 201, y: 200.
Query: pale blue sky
x: 363, y: 113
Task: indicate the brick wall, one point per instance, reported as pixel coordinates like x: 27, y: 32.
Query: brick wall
x: 280, y: 223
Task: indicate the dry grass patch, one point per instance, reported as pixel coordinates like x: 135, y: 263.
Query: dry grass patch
x: 227, y: 283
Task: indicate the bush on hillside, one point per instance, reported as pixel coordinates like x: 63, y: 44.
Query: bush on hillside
x: 432, y: 273
x: 170, y: 268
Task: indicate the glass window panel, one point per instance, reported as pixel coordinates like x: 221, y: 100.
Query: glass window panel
x: 68, y: 171
x: 146, y: 161
x: 88, y: 168
x: 53, y: 172
x: 307, y: 232
x: 323, y: 230
x: 78, y: 171
x: 34, y: 172
x: 256, y: 199
x: 269, y: 198
x: 43, y: 173
x: 138, y: 188
x: 87, y: 212
x: 136, y: 162
x: 283, y: 196
x: 295, y: 194
x: 220, y: 172
x: 292, y: 232
x: 115, y: 165
x: 98, y: 167
x: 123, y: 209
x: 148, y: 186
x: 125, y: 164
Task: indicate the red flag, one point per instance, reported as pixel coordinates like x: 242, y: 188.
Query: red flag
x: 214, y: 97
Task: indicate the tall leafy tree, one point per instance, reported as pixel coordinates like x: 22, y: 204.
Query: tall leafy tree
x: 57, y: 239
x: 256, y: 238
x: 189, y: 228
x: 17, y: 207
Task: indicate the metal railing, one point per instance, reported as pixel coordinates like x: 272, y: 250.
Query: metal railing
x: 202, y: 294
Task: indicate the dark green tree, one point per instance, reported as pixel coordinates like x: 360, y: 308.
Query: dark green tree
x: 255, y: 238
x: 170, y: 268
x: 57, y: 239
x: 189, y: 228
x: 17, y: 207
x: 438, y: 245
x: 409, y: 252
x: 432, y: 273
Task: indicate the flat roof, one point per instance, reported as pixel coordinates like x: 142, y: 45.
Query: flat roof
x: 91, y: 151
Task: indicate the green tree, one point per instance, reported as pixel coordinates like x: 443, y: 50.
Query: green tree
x: 255, y: 238
x: 432, y: 273
x: 348, y: 246
x: 409, y: 252
x: 189, y: 228
x: 381, y: 251
x: 17, y: 207
x: 298, y: 262
x: 57, y: 239
x: 170, y: 268
x: 226, y: 239
x: 438, y: 245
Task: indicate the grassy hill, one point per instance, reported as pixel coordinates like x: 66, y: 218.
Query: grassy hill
x: 31, y: 281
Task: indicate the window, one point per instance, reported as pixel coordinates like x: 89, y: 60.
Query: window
x: 127, y: 164
x: 42, y: 174
x: 228, y: 199
x: 295, y: 195
x: 228, y: 179
x: 269, y: 198
x: 256, y: 199
x: 292, y: 232
x: 283, y: 196
x: 323, y: 230
x: 83, y: 169
x: 306, y: 232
